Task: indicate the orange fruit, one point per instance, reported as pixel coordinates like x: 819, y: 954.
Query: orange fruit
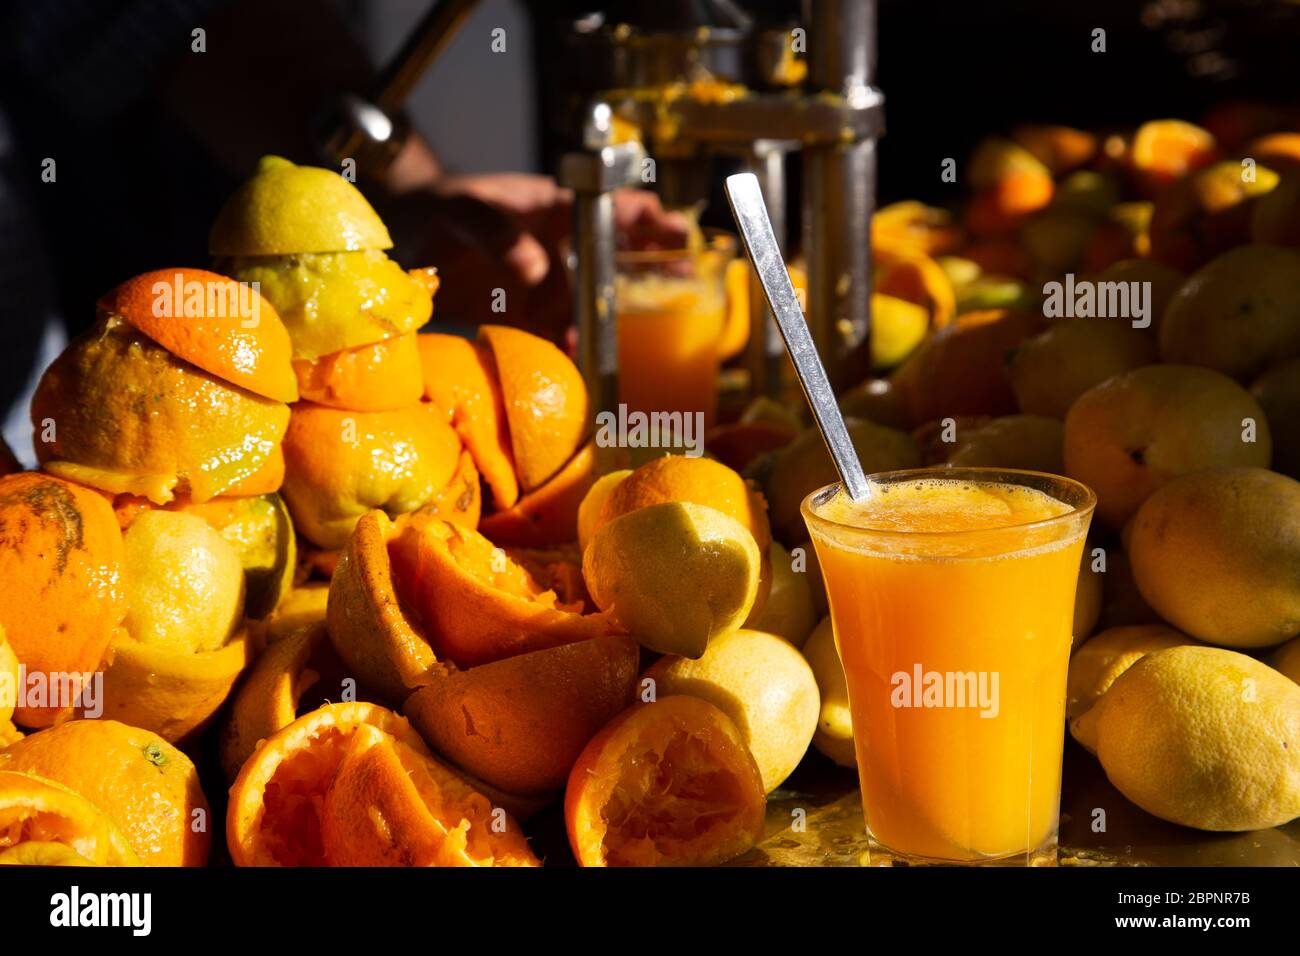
x: 352, y: 783
x: 376, y: 377
x: 1278, y: 150
x: 265, y: 481
x: 1239, y: 313
x: 460, y: 377
x: 63, y: 596
x: 257, y: 526
x: 919, y: 279
x: 961, y: 369
x: 1206, y: 213
x: 373, y: 631
x: 545, y: 401
x: 119, y: 413
x: 273, y: 817
x: 736, y: 280
x: 39, y: 813
x: 475, y: 603
x: 913, y: 227
x: 520, y: 723
x: 460, y: 501
x: 700, y: 481
x: 1274, y: 217
x: 1059, y: 148
x: 1164, y: 150
x: 268, y: 698
x: 144, y: 784
x: 339, y: 464
x: 668, y: 783
x: 213, y: 322
x: 171, y: 693
x: 547, y: 515
x: 391, y: 805
x: 1004, y: 206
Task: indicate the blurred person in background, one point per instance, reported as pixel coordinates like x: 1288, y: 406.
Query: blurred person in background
x: 119, y: 141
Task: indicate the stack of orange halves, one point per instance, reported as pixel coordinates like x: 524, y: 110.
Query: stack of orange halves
x: 132, y: 563
x: 361, y: 437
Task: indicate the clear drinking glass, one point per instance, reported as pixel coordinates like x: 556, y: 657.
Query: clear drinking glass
x: 672, y: 306
x: 952, y: 597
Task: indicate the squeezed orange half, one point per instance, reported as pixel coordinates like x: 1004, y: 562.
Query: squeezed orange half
x: 952, y: 594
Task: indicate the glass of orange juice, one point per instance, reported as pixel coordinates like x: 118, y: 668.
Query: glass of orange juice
x: 951, y: 594
x: 671, y: 307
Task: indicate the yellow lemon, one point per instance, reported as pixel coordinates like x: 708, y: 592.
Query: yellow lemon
x: 332, y: 301
x: 897, y: 327
x: 675, y: 575
x: 1239, y: 313
x: 1099, y: 663
x: 1217, y: 554
x: 788, y: 611
x: 592, y: 503
x: 284, y: 208
x: 834, y: 735
x: 1204, y: 737
x: 763, y: 684
x: 185, y: 583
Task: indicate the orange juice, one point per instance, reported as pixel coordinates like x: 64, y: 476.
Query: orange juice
x: 668, y: 334
x: 951, y: 594
x: 671, y: 308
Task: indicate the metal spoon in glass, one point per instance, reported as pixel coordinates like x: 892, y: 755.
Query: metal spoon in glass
x: 750, y: 212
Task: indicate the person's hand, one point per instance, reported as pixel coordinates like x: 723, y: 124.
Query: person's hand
x: 508, y: 232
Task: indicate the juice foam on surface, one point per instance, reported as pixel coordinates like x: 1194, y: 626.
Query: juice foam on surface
x: 936, y: 506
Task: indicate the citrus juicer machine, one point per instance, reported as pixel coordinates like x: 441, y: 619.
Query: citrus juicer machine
x: 701, y: 84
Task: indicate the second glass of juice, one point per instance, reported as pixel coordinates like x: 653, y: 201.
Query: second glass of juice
x: 671, y: 306
x: 951, y: 594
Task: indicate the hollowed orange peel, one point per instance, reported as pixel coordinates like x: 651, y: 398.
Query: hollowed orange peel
x: 353, y: 784
x: 668, y: 783
x: 44, y: 823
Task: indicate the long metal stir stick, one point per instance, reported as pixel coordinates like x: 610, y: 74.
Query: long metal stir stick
x: 750, y: 212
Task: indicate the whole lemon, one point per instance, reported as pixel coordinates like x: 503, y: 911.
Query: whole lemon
x: 763, y: 684
x: 1096, y: 665
x: 1239, y: 313
x: 1204, y: 737
x: 1217, y: 554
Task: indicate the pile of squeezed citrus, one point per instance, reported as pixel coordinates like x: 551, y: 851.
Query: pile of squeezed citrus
x: 377, y: 574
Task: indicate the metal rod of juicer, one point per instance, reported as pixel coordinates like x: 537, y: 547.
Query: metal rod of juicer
x: 426, y: 42
x: 839, y: 191
x: 594, y: 232
x: 765, y: 356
